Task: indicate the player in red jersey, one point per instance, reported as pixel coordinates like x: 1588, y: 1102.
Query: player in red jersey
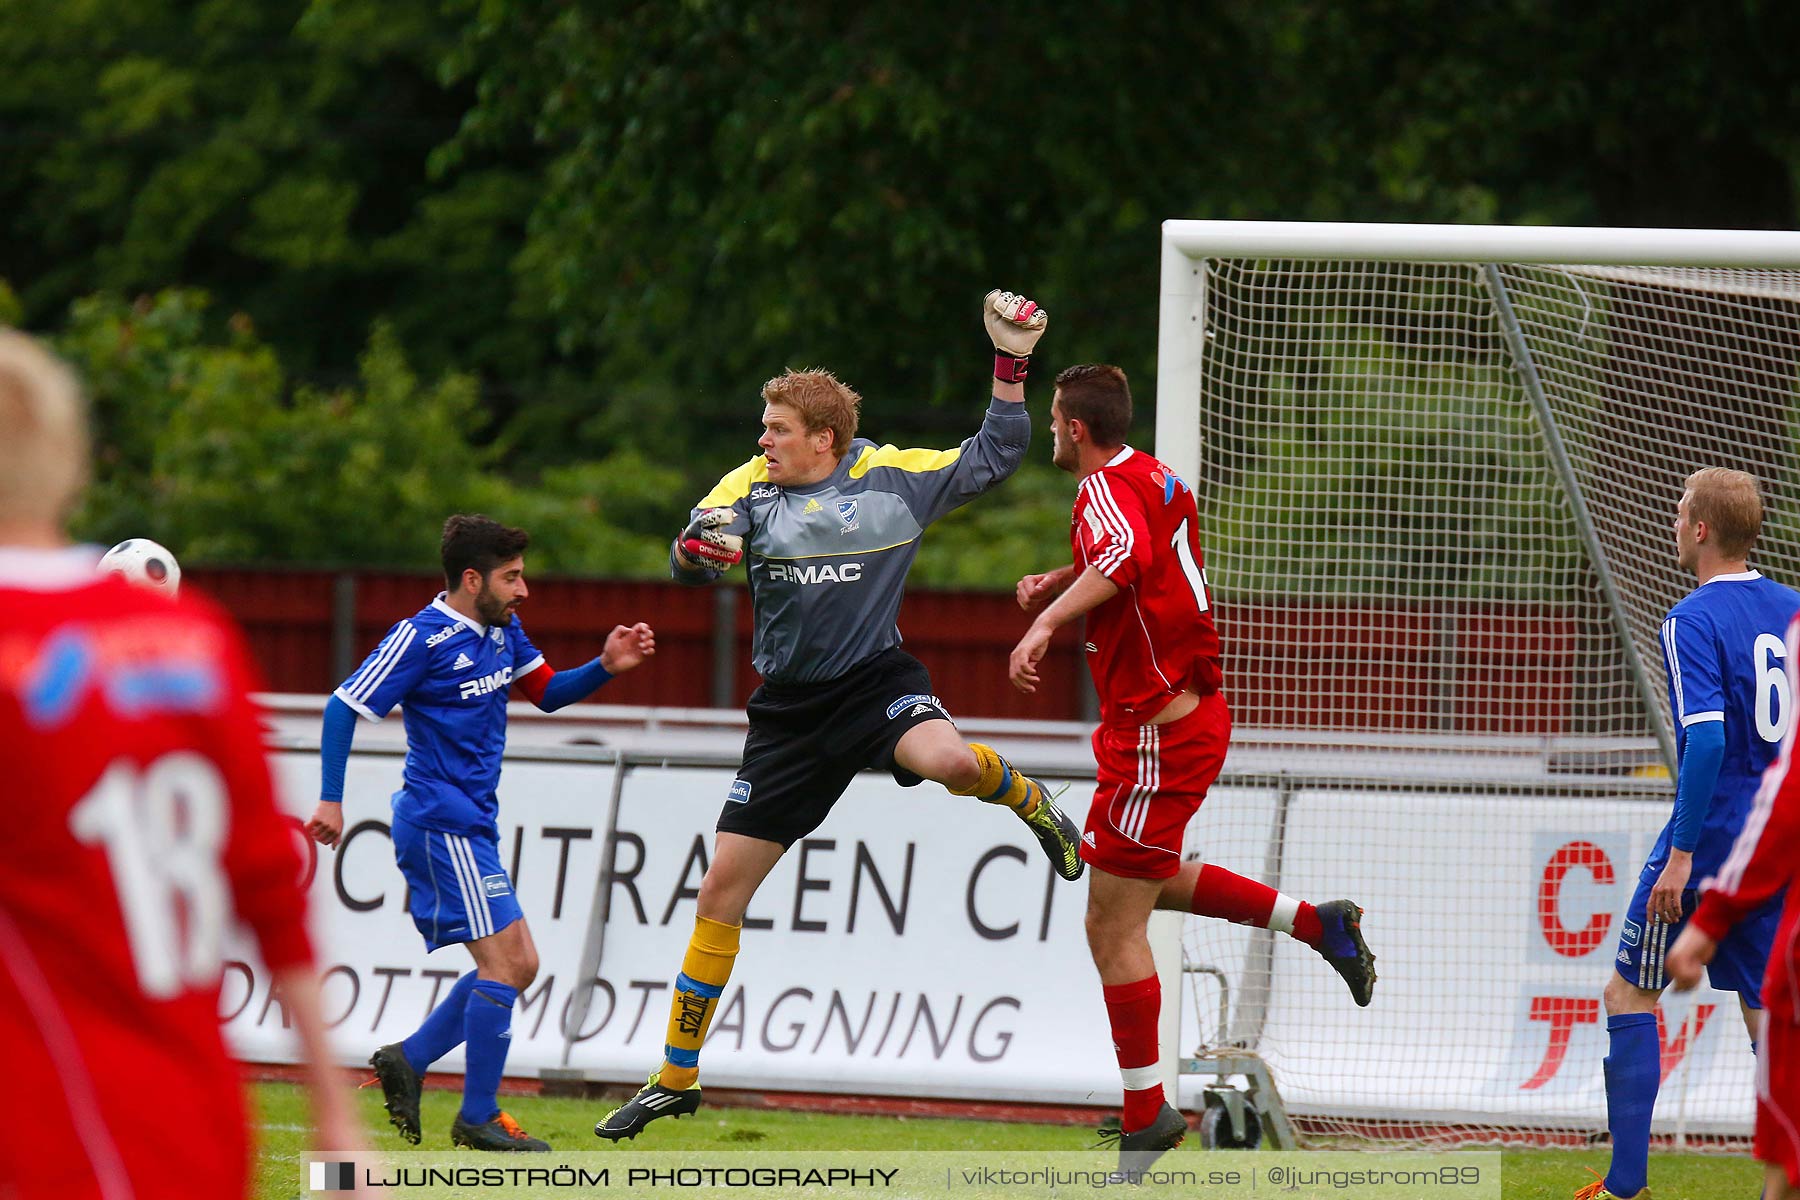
x: 142, y: 822
x: 1762, y: 862
x: 1139, y: 577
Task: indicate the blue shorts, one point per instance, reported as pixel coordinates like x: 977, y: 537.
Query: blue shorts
x: 458, y: 891
x: 1737, y: 967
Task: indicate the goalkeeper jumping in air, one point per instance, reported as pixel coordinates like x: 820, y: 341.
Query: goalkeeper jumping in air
x: 831, y: 523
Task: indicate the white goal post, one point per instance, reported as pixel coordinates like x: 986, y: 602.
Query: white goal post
x: 1437, y: 468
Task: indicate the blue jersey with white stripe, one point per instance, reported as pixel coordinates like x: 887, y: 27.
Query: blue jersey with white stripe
x: 1725, y: 653
x: 450, y: 675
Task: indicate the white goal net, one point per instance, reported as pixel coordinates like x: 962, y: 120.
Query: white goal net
x: 1438, y: 477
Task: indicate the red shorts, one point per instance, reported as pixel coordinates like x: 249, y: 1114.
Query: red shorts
x: 1778, y: 1095
x: 1150, y: 780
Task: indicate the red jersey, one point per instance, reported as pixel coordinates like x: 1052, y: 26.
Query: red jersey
x: 1764, y: 860
x: 140, y: 824
x: 1135, y: 522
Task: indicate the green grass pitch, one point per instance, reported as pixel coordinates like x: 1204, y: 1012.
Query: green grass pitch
x: 567, y: 1124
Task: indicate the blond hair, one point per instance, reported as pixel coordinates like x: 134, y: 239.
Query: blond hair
x: 43, y: 433
x: 821, y: 400
x: 1730, y: 502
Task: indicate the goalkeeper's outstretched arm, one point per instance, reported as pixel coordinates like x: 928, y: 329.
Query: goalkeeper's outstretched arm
x: 1014, y: 323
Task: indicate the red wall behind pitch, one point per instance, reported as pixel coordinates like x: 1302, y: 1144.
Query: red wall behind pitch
x: 1337, y: 665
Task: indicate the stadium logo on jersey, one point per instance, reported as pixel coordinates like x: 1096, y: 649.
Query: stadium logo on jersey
x: 918, y: 698
x: 812, y: 506
x: 846, y: 510
x: 821, y: 573
x: 463, y: 662
x: 442, y: 635
x: 1631, y: 934
x: 499, y: 681
x: 740, y: 792
x: 495, y: 885
x: 764, y: 491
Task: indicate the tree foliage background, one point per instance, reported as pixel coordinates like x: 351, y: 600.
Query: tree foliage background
x: 334, y: 269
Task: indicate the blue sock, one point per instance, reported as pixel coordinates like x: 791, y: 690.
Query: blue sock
x: 442, y: 1031
x: 1633, y: 1073
x: 487, y: 1034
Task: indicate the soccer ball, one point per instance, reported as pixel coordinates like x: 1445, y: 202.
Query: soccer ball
x: 145, y: 563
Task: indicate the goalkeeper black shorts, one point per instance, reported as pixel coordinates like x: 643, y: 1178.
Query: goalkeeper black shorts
x: 808, y: 741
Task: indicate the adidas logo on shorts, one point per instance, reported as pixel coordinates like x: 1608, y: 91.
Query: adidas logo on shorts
x: 463, y: 662
x: 1088, y: 837
x: 920, y: 708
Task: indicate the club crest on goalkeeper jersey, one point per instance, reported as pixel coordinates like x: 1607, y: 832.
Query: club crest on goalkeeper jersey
x: 1725, y: 653
x: 451, y: 677
x: 827, y: 561
x: 1136, y: 523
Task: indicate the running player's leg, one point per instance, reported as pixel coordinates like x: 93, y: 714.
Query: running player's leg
x: 1778, y: 1097
x: 506, y: 962
x: 933, y: 749
x: 738, y: 867
x: 1633, y: 1064
x: 1117, y: 913
x: 458, y: 893
x: 900, y: 726
x: 785, y: 787
x: 1133, y: 842
x: 1333, y: 928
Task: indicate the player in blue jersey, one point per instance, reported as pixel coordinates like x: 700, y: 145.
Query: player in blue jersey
x: 451, y: 666
x: 1725, y: 653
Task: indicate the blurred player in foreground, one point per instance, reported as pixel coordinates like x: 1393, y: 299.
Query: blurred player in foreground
x: 143, y: 825
x: 1138, y: 577
x: 1764, y: 860
x: 1723, y: 649
x: 832, y: 523
x: 450, y: 666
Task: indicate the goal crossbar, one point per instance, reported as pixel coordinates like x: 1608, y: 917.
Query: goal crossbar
x: 1437, y: 468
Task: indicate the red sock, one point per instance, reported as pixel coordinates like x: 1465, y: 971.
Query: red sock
x: 1232, y: 897
x: 1133, y: 1009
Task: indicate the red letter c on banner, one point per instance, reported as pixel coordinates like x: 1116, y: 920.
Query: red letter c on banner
x: 1573, y: 943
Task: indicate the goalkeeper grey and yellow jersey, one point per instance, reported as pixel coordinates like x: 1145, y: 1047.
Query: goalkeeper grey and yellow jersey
x: 827, y: 561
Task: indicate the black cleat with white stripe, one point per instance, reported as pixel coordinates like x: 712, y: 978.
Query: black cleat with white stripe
x: 653, y: 1101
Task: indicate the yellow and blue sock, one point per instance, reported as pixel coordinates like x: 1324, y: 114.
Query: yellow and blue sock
x: 1001, y: 783
x: 1633, y: 1075
x: 705, y: 970
x: 487, y: 1032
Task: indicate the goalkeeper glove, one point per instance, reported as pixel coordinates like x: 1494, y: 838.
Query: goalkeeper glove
x: 1015, y: 324
x: 706, y: 543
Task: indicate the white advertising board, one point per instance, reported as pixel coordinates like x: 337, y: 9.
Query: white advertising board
x: 918, y: 944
